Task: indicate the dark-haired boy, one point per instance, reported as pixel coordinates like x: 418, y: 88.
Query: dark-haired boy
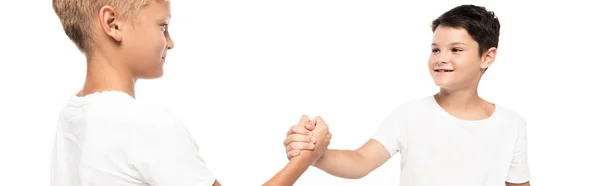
x: 453, y: 137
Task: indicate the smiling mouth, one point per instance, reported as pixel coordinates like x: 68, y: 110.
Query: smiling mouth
x: 442, y: 70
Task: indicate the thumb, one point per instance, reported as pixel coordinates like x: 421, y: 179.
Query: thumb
x: 303, y: 120
x: 320, y: 123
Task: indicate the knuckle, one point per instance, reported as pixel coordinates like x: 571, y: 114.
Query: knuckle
x: 290, y: 146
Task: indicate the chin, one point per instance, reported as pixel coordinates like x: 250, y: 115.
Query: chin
x: 441, y: 82
x: 157, y: 75
x: 444, y: 84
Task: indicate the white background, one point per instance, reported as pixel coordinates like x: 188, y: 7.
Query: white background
x: 242, y: 72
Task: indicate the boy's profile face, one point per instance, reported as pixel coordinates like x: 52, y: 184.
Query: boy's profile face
x: 455, y: 61
x: 146, y: 40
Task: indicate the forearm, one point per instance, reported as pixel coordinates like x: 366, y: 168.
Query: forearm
x: 291, y: 172
x: 344, y: 163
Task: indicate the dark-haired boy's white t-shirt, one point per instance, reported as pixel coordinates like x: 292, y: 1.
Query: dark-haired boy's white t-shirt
x: 438, y: 149
x: 109, y: 138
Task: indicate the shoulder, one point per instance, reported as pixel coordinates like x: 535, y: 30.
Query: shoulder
x: 509, y: 116
x: 158, y: 127
x: 153, y: 117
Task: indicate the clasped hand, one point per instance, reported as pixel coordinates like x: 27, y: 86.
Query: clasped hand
x: 310, y: 137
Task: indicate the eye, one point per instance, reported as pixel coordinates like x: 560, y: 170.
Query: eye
x: 457, y: 50
x: 435, y: 50
x: 164, y: 26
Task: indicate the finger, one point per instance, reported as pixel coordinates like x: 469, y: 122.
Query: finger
x: 299, y: 138
x: 303, y: 120
x: 300, y: 146
x: 303, y: 138
x: 290, y: 131
x: 300, y: 129
x: 309, y: 126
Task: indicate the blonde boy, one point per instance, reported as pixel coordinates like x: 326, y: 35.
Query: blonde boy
x: 104, y: 135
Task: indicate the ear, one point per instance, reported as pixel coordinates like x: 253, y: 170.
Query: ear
x: 488, y: 58
x: 109, y: 23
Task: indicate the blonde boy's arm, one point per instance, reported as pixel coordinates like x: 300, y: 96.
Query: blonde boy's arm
x: 289, y: 174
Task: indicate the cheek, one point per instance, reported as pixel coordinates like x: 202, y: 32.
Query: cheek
x: 154, y: 45
x: 431, y: 61
x: 468, y: 68
x: 161, y: 37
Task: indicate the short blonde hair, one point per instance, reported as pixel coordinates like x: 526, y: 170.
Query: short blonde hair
x: 76, y: 16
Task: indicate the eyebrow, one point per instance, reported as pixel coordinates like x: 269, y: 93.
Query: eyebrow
x: 453, y: 43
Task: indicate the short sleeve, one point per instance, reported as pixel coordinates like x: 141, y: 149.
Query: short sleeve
x: 519, y: 168
x: 391, y: 132
x: 166, y: 155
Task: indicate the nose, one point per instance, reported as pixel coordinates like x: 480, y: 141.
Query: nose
x: 443, y: 58
x: 170, y: 43
x: 441, y: 61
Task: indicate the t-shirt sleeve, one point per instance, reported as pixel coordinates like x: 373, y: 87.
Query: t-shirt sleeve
x: 167, y: 155
x: 519, y: 168
x: 391, y: 132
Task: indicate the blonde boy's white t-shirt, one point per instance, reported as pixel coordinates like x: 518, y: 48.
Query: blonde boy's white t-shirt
x: 109, y: 138
x: 438, y: 149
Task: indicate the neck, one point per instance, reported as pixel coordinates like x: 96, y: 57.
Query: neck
x: 107, y: 74
x: 462, y: 99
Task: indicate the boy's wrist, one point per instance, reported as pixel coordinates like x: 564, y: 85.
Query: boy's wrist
x: 319, y: 161
x: 302, y: 159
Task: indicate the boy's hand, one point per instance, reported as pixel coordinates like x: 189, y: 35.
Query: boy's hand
x: 323, y: 136
x: 300, y: 137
